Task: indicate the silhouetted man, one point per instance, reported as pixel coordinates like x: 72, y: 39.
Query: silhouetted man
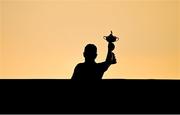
x: 90, y: 69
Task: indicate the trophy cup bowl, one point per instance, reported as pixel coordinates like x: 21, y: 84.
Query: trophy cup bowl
x: 111, y: 38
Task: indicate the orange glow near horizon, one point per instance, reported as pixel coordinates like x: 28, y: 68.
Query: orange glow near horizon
x: 46, y: 38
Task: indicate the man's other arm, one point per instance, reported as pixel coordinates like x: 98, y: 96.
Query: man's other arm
x: 76, y: 72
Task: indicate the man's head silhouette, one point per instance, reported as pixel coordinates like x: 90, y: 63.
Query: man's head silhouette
x: 90, y: 53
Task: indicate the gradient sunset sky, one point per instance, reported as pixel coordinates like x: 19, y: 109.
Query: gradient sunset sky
x: 46, y: 38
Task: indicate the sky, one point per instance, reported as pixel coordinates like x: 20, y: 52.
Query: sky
x: 179, y: 38
x: 46, y: 38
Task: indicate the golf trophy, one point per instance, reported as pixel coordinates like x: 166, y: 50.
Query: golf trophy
x: 110, y: 39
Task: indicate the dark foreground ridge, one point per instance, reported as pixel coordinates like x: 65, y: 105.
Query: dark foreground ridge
x: 90, y: 97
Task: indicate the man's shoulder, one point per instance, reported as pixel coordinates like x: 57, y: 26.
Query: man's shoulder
x: 79, y: 64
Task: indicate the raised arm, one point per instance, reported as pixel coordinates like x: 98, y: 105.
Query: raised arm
x: 110, y: 59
